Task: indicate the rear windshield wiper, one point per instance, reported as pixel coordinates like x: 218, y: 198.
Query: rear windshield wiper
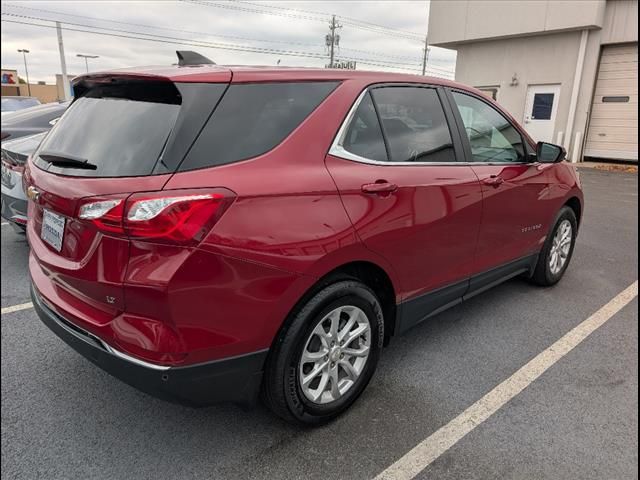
x: 64, y: 160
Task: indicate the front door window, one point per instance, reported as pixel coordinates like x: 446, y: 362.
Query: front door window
x: 491, y: 135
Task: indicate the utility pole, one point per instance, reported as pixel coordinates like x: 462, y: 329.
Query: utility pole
x: 425, y: 56
x: 24, y: 52
x: 63, y: 64
x: 333, y: 40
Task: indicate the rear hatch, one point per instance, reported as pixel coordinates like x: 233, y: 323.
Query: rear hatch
x: 122, y: 135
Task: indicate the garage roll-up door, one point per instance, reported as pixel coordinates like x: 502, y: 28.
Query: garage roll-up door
x: 613, y: 127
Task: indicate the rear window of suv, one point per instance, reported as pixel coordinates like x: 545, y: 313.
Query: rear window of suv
x: 252, y: 119
x: 120, y: 129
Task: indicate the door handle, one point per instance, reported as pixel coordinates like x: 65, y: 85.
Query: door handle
x: 380, y: 186
x: 494, y: 180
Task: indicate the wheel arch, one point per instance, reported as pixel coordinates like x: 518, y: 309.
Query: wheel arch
x: 369, y: 273
x: 575, y: 204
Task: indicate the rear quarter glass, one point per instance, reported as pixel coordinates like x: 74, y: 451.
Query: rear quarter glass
x: 252, y: 119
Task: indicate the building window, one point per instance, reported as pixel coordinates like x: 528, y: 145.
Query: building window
x: 542, y: 106
x: 491, y: 92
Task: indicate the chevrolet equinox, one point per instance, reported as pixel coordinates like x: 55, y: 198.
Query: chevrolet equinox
x: 209, y: 233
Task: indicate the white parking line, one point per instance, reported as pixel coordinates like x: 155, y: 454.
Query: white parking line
x: 17, y: 308
x: 4, y: 223
x: 427, y: 451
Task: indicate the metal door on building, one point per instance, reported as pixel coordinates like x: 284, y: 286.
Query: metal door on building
x: 613, y: 125
x: 540, y: 111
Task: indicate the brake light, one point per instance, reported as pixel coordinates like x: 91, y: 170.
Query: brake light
x: 184, y: 218
x: 170, y: 216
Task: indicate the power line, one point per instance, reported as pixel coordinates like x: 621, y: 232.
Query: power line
x: 383, y: 57
x: 223, y: 46
x: 345, y: 20
x: 254, y: 10
x: 235, y: 37
x: 342, y: 17
x: 228, y: 46
x: 180, y: 41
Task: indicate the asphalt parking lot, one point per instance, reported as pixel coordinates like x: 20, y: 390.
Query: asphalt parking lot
x: 62, y: 418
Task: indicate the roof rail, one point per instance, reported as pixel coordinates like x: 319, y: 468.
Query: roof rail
x: 188, y: 57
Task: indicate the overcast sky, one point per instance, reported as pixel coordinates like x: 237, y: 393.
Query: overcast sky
x: 287, y: 26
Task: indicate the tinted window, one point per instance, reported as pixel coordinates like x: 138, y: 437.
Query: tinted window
x: 414, y: 124
x: 121, y: 129
x: 492, y: 137
x: 364, y: 136
x: 251, y: 119
x: 542, y: 106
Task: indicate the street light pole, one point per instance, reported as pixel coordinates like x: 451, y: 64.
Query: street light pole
x: 86, y: 61
x: 24, y: 52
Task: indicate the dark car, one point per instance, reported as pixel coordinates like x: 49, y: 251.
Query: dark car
x: 31, y: 120
x: 15, y: 103
x: 204, y: 233
x: 13, y: 156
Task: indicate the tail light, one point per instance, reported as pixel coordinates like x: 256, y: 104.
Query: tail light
x: 181, y: 217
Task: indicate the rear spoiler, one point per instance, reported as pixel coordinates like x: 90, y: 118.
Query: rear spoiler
x: 82, y: 83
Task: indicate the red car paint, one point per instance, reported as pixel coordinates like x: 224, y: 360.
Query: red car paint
x: 297, y: 214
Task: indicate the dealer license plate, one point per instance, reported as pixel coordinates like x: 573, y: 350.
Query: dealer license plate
x: 52, y: 229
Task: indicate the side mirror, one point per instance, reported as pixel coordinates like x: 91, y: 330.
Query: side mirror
x: 550, y: 153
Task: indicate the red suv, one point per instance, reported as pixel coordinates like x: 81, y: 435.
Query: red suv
x: 209, y: 233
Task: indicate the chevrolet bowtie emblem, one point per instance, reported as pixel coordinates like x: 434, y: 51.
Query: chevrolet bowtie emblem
x: 33, y: 194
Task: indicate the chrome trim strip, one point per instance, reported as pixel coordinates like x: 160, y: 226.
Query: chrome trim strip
x: 337, y: 150
x: 82, y: 334
x: 342, y: 132
x: 137, y: 361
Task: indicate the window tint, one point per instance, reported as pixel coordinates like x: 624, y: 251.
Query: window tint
x: 542, y: 106
x: 251, y: 119
x: 492, y: 137
x: 414, y: 124
x: 121, y: 129
x: 364, y: 136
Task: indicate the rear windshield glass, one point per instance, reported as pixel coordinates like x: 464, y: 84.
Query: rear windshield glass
x: 120, y: 130
x: 251, y: 119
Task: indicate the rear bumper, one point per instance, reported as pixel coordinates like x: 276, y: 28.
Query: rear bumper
x: 234, y: 379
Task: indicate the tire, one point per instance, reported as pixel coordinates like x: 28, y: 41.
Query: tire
x: 310, y: 331
x: 545, y: 274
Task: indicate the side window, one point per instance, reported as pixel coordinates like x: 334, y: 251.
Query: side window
x: 414, y: 124
x: 364, y: 136
x: 492, y: 137
x: 252, y: 119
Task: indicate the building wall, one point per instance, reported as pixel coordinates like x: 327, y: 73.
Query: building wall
x: 453, y: 22
x: 620, y: 23
x: 545, y: 58
x: 10, y: 90
x: 533, y: 60
x: 44, y: 93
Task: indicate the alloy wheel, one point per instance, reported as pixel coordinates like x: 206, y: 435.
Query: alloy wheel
x: 560, y: 247
x: 335, y: 354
